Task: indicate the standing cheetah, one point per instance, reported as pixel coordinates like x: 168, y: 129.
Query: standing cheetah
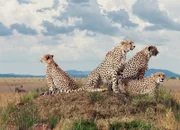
x: 136, y: 67
x: 145, y: 85
x: 113, y: 62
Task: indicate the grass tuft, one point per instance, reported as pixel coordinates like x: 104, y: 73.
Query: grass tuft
x: 52, y: 122
x: 134, y: 125
x: 28, y: 97
x: 84, y: 125
x: 25, y: 117
x: 94, y: 96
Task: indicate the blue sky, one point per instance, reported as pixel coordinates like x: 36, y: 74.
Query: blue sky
x: 80, y: 32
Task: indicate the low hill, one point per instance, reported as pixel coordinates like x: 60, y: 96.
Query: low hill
x: 167, y: 72
x: 84, y: 74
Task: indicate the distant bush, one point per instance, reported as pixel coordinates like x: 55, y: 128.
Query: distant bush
x: 172, y: 77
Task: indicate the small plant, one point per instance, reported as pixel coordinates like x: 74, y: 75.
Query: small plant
x: 25, y: 117
x: 5, y: 114
x: 177, y: 116
x: 79, y: 83
x: 94, y: 96
x: 53, y: 122
x: 29, y: 97
x: 84, y: 125
x: 134, y: 125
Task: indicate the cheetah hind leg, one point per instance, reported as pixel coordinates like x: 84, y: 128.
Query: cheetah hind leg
x: 121, y: 86
x: 51, y: 91
x: 109, y: 86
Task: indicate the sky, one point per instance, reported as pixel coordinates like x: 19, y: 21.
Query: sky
x: 79, y: 33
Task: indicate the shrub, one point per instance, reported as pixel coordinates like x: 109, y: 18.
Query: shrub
x: 84, y: 125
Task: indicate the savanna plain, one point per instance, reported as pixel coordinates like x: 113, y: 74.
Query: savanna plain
x: 86, y: 110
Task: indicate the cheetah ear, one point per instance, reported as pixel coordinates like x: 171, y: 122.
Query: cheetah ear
x: 47, y: 57
x: 52, y: 56
x: 123, y: 42
x: 150, y: 48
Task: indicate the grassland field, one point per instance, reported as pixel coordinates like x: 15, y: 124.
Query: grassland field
x: 9, y: 84
x: 103, y: 108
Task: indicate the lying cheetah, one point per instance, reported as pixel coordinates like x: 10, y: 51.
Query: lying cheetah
x: 113, y: 62
x: 145, y: 85
x: 58, y: 80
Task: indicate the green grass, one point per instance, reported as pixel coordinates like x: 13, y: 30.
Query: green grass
x: 134, y: 125
x: 84, y: 125
x: 53, y: 122
x: 25, y: 117
x: 22, y: 117
x: 94, y: 96
x: 28, y: 97
x: 177, y: 116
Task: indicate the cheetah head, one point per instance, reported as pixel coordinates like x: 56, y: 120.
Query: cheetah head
x: 159, y: 77
x: 127, y: 45
x: 151, y: 51
x: 46, y: 58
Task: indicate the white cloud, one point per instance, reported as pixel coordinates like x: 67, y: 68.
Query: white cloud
x: 84, y: 45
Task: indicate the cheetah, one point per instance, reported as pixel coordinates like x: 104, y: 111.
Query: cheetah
x: 56, y: 78
x: 145, y: 85
x: 136, y: 67
x: 107, y: 70
x: 59, y: 81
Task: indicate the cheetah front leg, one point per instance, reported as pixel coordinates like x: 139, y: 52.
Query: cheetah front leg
x: 115, y: 82
x: 142, y: 73
x: 50, y: 85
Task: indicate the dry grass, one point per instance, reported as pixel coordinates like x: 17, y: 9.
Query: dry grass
x: 8, y: 98
x: 104, y: 110
x: 9, y: 84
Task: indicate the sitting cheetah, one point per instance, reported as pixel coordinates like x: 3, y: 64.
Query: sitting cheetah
x: 146, y: 85
x: 114, y: 61
x: 136, y: 67
x: 58, y: 80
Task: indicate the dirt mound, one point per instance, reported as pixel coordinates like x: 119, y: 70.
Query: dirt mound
x: 105, y: 105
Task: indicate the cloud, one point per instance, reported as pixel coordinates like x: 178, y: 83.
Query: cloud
x: 148, y: 10
x: 121, y: 16
x: 92, y: 19
x: 79, y: 1
x: 22, y: 28
x: 23, y: 1
x: 51, y: 29
x: 54, y: 6
x: 4, y: 30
